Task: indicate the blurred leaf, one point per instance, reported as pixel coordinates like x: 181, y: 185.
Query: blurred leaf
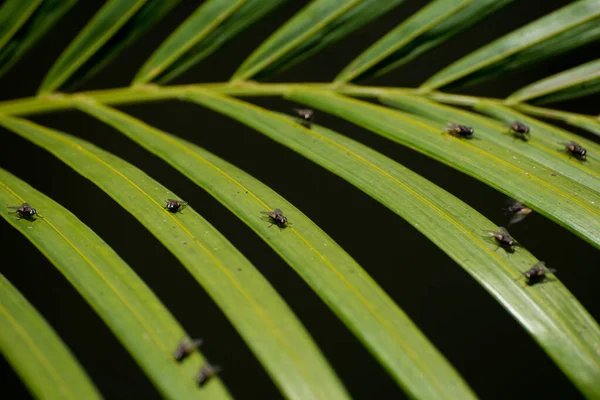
x: 582, y: 80
x: 342, y: 284
x: 254, y: 308
x: 34, y: 29
x: 538, y: 152
x: 481, y: 159
x: 35, y: 351
x: 454, y: 227
x: 587, y: 122
x: 319, y: 25
x: 132, y: 312
x: 13, y: 15
x: 198, y: 26
x: 249, y: 13
x: 566, y: 29
x: 111, y: 17
x: 152, y: 12
x: 428, y: 28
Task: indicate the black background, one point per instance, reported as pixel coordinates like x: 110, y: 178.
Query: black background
x: 492, y: 352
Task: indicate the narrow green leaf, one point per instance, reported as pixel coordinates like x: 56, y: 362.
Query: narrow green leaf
x: 576, y: 82
x: 196, y: 28
x: 587, y: 122
x: 147, y: 17
x: 450, y: 224
x: 342, y: 284
x: 535, y: 154
x: 479, y: 158
x: 133, y: 313
x: 13, y: 15
x: 37, y: 354
x: 96, y: 33
x: 250, y: 12
x: 319, y: 25
x: 549, y: 135
x: 262, y: 318
x: 570, y: 27
x: 35, y: 28
x: 429, y: 27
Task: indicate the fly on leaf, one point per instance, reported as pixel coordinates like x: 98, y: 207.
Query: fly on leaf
x: 504, y: 239
x: 175, y: 205
x: 537, y: 273
x: 306, y: 115
x: 25, y: 211
x: 277, y: 218
x: 575, y: 150
x: 185, y: 348
x: 520, y: 131
x: 461, y: 131
x: 206, y: 373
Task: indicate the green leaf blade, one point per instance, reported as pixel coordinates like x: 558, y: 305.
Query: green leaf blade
x: 37, y: 353
x: 40, y: 22
x: 111, y: 17
x: 579, y: 81
x: 13, y: 15
x: 318, y: 25
x: 477, y: 158
x: 196, y: 27
x: 330, y: 271
x: 450, y: 224
x: 565, y: 29
x: 254, y: 308
x: 426, y: 29
x: 128, y: 307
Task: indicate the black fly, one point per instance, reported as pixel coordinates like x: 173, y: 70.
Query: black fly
x: 461, y: 131
x: 517, y: 211
x: 537, y: 273
x: 504, y: 239
x: 306, y: 115
x: 175, y: 205
x: 25, y: 211
x: 186, y: 348
x: 277, y: 218
x: 576, y: 151
x: 520, y: 131
x: 206, y: 372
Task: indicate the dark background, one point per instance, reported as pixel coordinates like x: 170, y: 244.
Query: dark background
x: 493, y: 353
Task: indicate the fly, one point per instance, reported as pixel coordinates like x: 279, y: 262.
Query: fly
x: 504, y: 239
x: 276, y: 217
x: 185, y: 348
x: 461, y: 131
x: 517, y: 211
x: 537, y: 273
x: 576, y: 151
x: 306, y: 115
x: 25, y: 211
x: 520, y: 131
x: 175, y: 205
x: 206, y: 373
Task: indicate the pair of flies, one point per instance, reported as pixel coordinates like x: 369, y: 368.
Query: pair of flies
x: 207, y: 371
x: 517, y: 129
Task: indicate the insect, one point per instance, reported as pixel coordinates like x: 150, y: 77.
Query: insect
x: 25, y: 211
x: 504, y: 239
x: 277, y: 218
x: 175, y: 205
x: 185, y: 348
x: 206, y: 372
x: 537, y: 273
x: 517, y: 211
x: 576, y: 151
x: 520, y: 131
x: 306, y: 115
x: 461, y: 131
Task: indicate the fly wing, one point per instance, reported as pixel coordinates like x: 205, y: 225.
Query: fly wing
x: 503, y: 230
x: 269, y: 213
x: 516, y: 218
x: 277, y: 211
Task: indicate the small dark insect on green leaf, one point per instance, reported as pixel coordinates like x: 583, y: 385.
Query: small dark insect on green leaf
x: 461, y: 131
x: 185, y: 348
x: 520, y: 130
x: 537, y: 273
x: 575, y: 150
x: 504, y: 239
x: 25, y: 211
x: 277, y: 218
x: 306, y: 116
x: 175, y: 205
x: 206, y: 373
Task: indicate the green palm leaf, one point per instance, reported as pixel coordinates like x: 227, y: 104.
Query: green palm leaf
x: 13, y: 15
